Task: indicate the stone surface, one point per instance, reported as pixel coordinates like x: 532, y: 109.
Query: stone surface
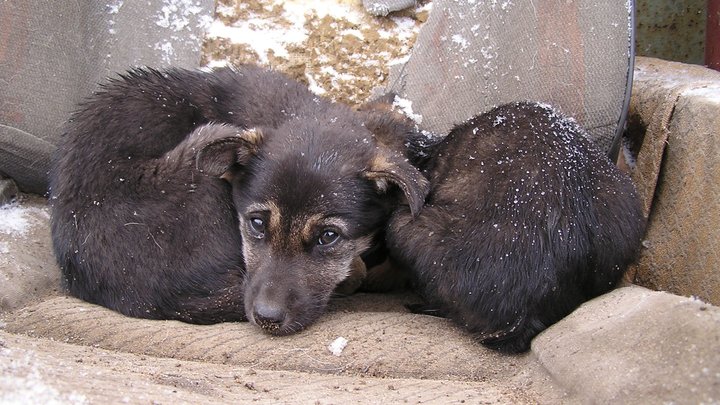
x: 41, y: 371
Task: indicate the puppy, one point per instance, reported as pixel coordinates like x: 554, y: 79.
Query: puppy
x: 525, y: 220
x: 310, y: 202
x: 146, y: 222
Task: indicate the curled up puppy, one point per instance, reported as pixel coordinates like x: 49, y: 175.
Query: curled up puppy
x: 526, y: 219
x: 220, y: 196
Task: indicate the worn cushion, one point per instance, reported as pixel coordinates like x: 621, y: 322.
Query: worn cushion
x: 472, y: 56
x: 675, y: 125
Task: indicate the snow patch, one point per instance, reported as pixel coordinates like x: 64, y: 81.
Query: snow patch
x: 112, y: 8
x: 222, y: 9
x: 16, y: 220
x: 460, y: 41
x: 260, y: 35
x: 405, y: 28
x: 405, y: 106
x: 399, y: 61
x: 263, y: 35
x: 176, y: 14
x: 167, y: 51
x: 296, y: 9
x: 337, y: 346
x: 313, y: 85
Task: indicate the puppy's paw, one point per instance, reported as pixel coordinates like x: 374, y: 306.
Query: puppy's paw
x: 427, y: 309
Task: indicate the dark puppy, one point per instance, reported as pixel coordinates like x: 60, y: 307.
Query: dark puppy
x: 144, y: 224
x: 526, y: 220
x: 310, y: 203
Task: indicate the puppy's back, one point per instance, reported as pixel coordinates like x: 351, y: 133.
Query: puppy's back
x: 526, y: 220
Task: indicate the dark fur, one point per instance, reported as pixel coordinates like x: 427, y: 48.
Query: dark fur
x: 314, y: 174
x: 143, y: 223
x: 526, y: 220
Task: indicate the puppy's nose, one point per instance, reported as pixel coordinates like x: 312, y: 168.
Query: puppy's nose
x: 268, y: 316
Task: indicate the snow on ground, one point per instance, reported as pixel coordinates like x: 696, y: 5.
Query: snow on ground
x: 334, y: 46
x: 338, y: 345
x: 16, y: 220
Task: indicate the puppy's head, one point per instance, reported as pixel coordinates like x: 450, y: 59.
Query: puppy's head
x: 309, y: 203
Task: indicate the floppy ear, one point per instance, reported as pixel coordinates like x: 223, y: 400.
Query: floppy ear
x: 387, y: 168
x: 220, y: 152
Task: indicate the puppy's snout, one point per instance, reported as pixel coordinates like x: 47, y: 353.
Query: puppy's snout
x: 268, y: 316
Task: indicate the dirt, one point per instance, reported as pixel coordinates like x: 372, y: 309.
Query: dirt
x: 346, y: 52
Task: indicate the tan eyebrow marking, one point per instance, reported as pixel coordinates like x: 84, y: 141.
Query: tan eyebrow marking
x: 317, y: 220
x: 268, y: 206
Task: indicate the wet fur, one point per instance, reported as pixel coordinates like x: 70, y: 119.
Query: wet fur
x: 526, y: 220
x: 145, y: 223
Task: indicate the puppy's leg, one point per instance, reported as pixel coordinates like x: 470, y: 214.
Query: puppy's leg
x: 386, y: 276
x: 223, y: 305
x: 352, y: 283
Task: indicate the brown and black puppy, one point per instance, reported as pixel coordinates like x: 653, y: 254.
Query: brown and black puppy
x: 310, y: 202
x: 144, y: 221
x: 525, y: 220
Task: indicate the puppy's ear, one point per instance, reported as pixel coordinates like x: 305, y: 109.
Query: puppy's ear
x: 388, y: 168
x: 224, y: 150
x: 390, y: 128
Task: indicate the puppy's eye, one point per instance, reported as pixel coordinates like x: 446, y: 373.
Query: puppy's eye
x: 328, y: 237
x: 257, y: 225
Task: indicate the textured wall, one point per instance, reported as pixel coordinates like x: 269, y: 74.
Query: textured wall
x: 671, y: 29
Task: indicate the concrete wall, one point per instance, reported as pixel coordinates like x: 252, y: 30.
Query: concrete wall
x: 671, y: 29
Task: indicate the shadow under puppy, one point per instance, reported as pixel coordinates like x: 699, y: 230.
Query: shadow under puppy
x: 525, y: 220
x: 145, y: 223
